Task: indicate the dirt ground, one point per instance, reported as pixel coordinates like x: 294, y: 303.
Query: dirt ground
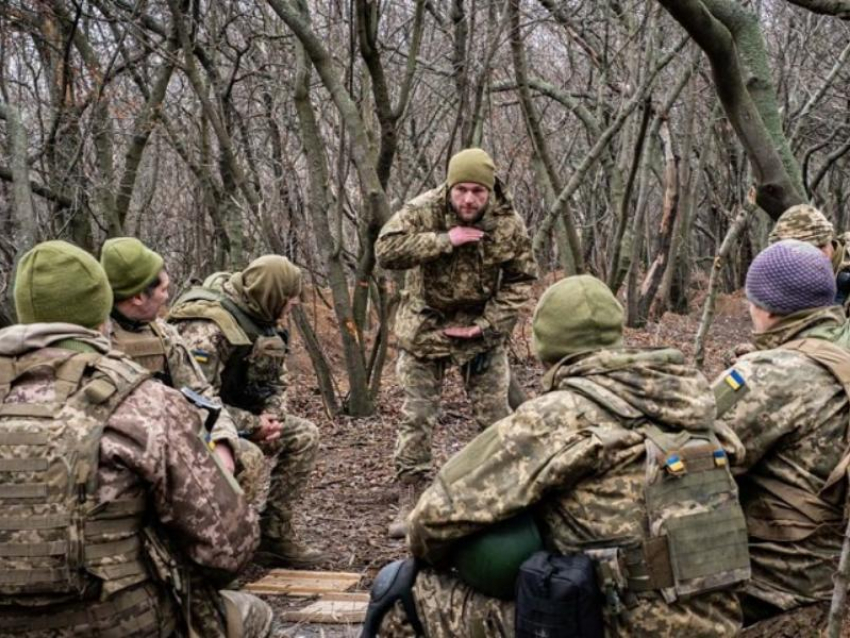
x: 352, y: 496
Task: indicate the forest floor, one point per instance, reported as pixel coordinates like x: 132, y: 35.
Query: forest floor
x: 352, y: 496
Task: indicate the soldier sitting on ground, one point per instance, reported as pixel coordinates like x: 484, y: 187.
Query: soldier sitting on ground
x: 231, y: 326
x: 619, y: 468
x: 139, y: 283
x: 110, y: 503
x: 787, y: 403
x: 469, y: 271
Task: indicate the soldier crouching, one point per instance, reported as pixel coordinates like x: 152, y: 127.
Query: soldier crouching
x: 615, y: 469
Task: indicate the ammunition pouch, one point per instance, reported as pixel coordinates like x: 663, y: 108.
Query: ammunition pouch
x: 393, y: 583
x: 558, y: 596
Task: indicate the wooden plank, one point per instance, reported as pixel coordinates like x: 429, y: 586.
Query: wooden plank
x: 325, y: 610
x: 287, y: 582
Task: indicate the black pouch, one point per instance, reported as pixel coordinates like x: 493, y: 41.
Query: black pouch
x: 558, y: 597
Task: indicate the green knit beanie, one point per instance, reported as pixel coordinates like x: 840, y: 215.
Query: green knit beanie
x: 472, y: 165
x: 58, y: 282
x: 576, y: 314
x: 130, y: 265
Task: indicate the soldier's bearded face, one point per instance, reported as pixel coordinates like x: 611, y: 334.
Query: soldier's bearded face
x: 146, y: 306
x: 468, y: 201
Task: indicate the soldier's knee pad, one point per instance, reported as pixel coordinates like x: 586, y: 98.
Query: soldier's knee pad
x: 246, y: 615
x: 393, y: 583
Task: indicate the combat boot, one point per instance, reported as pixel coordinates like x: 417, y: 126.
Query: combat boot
x: 281, y: 546
x: 410, y: 489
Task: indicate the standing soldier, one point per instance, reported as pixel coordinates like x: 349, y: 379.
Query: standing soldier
x: 232, y: 332
x: 110, y: 503
x: 788, y: 405
x: 619, y: 466
x: 469, y: 271
x: 139, y: 285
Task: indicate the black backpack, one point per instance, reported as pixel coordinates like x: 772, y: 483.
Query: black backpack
x: 558, y: 596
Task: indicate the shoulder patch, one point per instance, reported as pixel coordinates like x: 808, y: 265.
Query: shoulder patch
x: 201, y: 356
x: 729, y: 390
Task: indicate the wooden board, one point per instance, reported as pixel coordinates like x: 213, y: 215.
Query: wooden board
x: 290, y: 582
x: 332, y: 608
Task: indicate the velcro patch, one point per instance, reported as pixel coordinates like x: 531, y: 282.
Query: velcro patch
x: 201, y: 356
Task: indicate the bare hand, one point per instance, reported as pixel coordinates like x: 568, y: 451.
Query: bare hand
x: 463, y: 333
x: 269, y: 429
x: 460, y: 235
x: 225, y: 455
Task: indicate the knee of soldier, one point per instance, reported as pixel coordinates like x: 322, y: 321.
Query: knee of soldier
x: 304, y: 432
x: 421, y: 412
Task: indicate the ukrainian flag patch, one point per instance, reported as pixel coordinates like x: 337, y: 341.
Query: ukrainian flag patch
x: 201, y: 356
x: 735, y: 380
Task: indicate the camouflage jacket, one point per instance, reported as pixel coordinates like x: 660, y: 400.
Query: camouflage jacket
x: 261, y: 367
x: 484, y: 283
x: 790, y: 417
x: 150, y: 447
x: 171, y: 361
x: 579, y: 462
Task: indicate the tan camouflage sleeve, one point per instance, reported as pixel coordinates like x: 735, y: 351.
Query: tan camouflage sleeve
x: 504, y: 470
x: 211, y: 350
x: 186, y: 372
x: 769, y: 401
x: 401, y: 245
x: 154, y: 434
x: 518, y: 275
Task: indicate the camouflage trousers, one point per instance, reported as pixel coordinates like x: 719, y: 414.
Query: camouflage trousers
x: 275, y: 487
x: 422, y: 380
x: 448, y: 608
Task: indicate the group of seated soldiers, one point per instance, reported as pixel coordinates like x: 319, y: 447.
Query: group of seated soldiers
x: 631, y: 497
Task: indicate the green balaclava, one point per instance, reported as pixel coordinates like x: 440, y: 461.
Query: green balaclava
x: 130, y: 266
x: 472, y: 165
x: 576, y: 314
x: 266, y: 285
x: 58, y: 282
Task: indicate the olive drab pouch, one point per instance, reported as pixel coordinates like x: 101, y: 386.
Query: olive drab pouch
x: 56, y: 542
x: 697, y: 531
x: 558, y: 597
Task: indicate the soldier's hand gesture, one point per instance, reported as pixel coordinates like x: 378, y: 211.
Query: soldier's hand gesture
x: 460, y: 235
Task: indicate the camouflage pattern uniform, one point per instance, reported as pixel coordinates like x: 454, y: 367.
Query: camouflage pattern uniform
x: 294, y: 453
x: 479, y: 284
x: 790, y: 417
x: 149, y: 453
x: 577, y: 456
x: 158, y: 347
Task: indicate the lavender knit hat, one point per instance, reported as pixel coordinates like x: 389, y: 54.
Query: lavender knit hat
x: 790, y: 276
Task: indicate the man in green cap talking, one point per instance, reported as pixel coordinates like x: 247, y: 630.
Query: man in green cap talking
x: 469, y: 267
x: 620, y: 469
x: 115, y: 519
x: 232, y: 326
x: 139, y: 283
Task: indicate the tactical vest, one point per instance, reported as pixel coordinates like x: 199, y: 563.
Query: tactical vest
x: 241, y: 331
x: 147, y: 348
x: 56, y: 542
x: 696, y: 530
x: 786, y: 513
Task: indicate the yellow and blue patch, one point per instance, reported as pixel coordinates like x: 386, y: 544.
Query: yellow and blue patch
x: 735, y: 380
x: 201, y: 356
x: 674, y: 464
